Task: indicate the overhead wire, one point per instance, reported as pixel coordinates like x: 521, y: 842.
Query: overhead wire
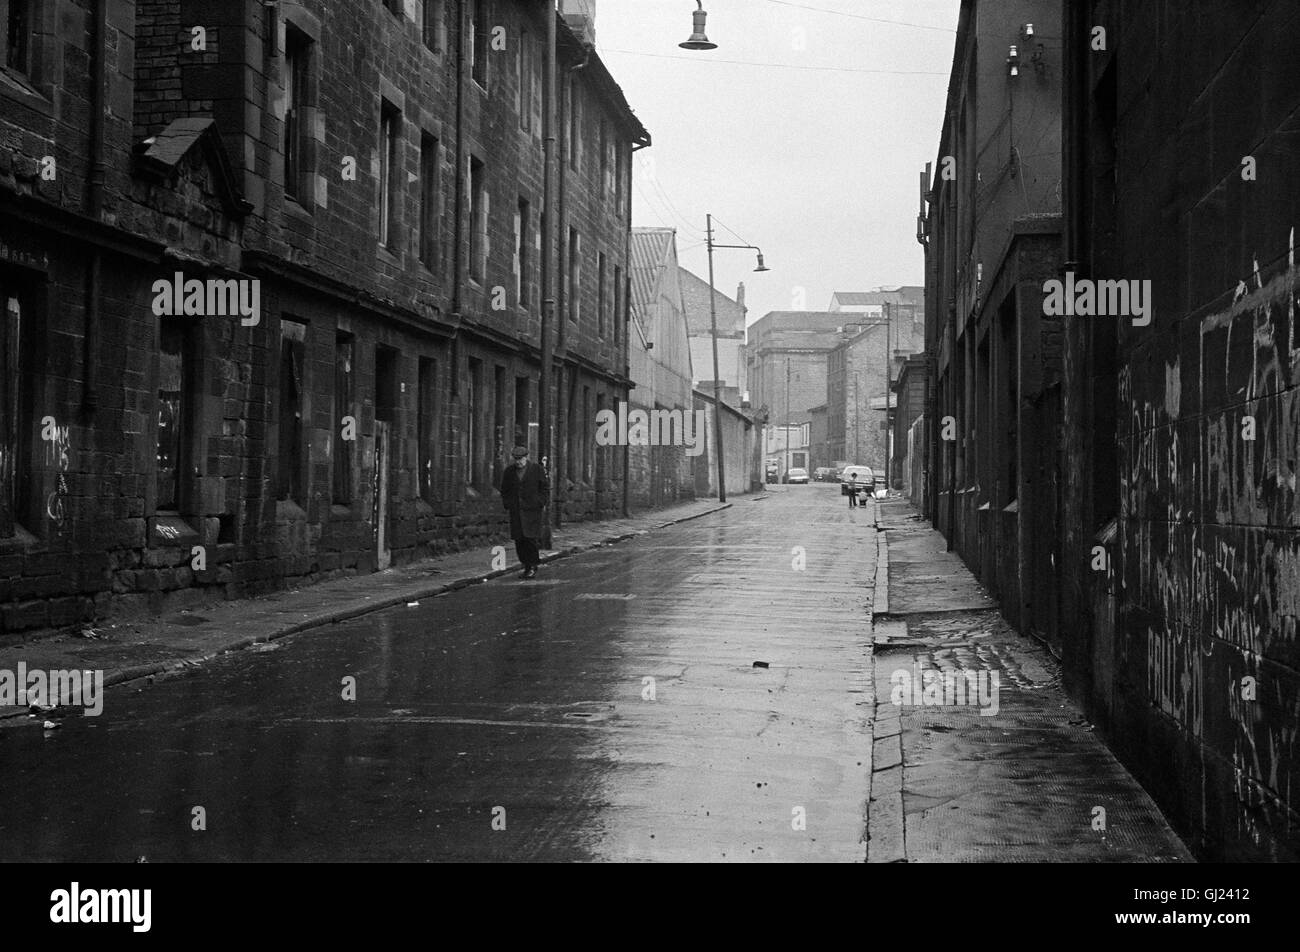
x: 860, y: 16
x: 831, y: 69
x: 669, y: 220
x: 692, y: 231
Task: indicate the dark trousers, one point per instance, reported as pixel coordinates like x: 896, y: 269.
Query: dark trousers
x: 526, y: 549
x: 853, y: 499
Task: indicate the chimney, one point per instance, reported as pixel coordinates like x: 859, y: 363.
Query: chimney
x: 580, y: 15
x: 740, y: 294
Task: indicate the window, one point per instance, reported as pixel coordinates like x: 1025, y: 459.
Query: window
x: 480, y: 35
x: 603, y: 146
x: 575, y: 127
x: 297, y: 52
x: 473, y: 403
x: 618, y: 301
x: 523, y: 79
x: 600, y: 294
x: 173, y: 409
x: 426, y: 428
x: 602, y: 458
x: 523, y: 408
x: 620, y: 178
x: 18, y: 35
x: 290, y: 484
x: 431, y: 24
x: 17, y: 421
x: 390, y: 125
x: 1008, y: 358
x: 522, y: 234
x: 584, y: 430
x: 388, y: 384
x: 498, y: 424
x: 571, y: 446
x: 429, y: 201
x: 344, y: 406
x: 575, y: 274
x: 535, y: 80
x: 477, y: 220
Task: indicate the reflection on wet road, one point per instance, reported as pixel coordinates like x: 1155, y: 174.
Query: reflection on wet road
x: 611, y: 709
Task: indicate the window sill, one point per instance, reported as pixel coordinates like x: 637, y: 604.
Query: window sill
x: 18, y: 86
x: 170, y: 528
x: 297, y: 209
x: 383, y: 251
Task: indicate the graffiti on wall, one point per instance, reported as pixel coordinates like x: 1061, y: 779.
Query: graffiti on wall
x: 58, y: 450
x: 1211, y: 538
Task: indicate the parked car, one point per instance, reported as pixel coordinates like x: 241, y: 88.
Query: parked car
x: 823, y: 474
x: 797, y: 475
x: 863, y: 477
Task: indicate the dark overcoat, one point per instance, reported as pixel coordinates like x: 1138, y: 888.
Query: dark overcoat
x: 524, y: 494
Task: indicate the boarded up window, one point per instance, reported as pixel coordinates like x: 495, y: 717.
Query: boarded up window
x: 172, y: 408
x: 345, y: 435
x: 293, y: 353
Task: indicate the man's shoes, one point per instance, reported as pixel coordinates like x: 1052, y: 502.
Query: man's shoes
x: 530, y: 572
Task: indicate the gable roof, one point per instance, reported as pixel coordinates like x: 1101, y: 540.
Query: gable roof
x: 161, y: 154
x: 695, y: 295
x: 904, y: 294
x: 650, y: 251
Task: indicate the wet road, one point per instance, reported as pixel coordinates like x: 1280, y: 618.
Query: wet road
x: 522, y: 705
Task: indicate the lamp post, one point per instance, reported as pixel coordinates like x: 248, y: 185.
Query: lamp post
x: 713, y: 324
x: 698, y: 40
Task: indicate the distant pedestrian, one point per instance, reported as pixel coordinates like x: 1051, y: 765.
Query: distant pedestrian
x: 525, y: 489
x: 853, y: 492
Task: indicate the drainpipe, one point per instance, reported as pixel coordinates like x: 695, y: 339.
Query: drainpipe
x: 94, y: 207
x: 458, y: 257
x: 544, y: 401
x: 561, y: 326
x: 953, y: 395
x: 459, y: 263
x: 627, y: 310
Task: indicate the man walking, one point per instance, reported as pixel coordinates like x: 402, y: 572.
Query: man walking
x: 525, y: 490
x: 853, y: 491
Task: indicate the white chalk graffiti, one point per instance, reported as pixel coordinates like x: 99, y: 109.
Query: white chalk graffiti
x: 58, y: 453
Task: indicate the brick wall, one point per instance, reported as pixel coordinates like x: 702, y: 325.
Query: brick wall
x: 1201, y: 594
x: 91, y: 533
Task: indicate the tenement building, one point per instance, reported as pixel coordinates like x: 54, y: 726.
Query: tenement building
x: 272, y: 284
x: 1115, y: 419
x: 1181, y: 410
x: 993, y: 238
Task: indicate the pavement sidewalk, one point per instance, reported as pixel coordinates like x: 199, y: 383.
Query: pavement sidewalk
x: 989, y: 760
x: 126, y: 650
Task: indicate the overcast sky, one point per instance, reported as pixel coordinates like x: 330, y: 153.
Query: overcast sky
x: 818, y: 166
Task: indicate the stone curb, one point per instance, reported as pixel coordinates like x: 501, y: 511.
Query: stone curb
x: 880, y: 594
x: 885, y: 820
x: 333, y: 616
